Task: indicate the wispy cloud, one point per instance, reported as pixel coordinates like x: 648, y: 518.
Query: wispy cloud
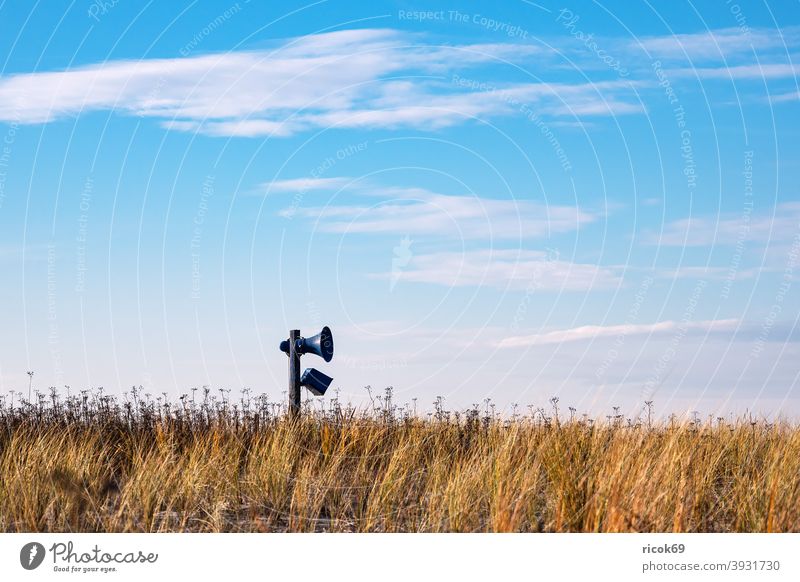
x: 591, y: 332
x: 352, y: 78
x: 416, y: 211
x: 785, y: 97
x: 306, y: 184
x: 505, y: 269
x: 724, y: 43
x: 706, y: 272
x: 739, y: 53
x: 736, y: 72
x: 726, y: 230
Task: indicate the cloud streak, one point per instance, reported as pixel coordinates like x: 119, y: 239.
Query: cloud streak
x: 715, y: 45
x: 592, y: 332
x: 739, y: 54
x: 371, y: 78
x: 728, y: 230
x: 416, y: 211
x: 738, y: 72
x: 306, y: 184
x: 506, y: 269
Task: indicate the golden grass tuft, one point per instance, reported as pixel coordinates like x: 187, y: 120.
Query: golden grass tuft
x: 84, y: 466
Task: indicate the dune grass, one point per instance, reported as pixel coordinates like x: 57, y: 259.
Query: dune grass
x: 91, y: 463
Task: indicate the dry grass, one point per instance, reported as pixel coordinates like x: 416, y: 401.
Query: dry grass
x: 91, y: 464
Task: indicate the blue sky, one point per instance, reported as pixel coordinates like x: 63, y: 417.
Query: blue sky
x: 594, y: 201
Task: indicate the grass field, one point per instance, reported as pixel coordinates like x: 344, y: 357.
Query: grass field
x: 203, y: 463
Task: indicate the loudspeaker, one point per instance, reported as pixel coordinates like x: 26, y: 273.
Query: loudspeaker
x: 315, y: 381
x: 321, y: 345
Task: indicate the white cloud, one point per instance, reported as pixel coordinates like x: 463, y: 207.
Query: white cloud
x: 591, y: 332
x: 707, y: 272
x: 728, y: 53
x: 416, y: 211
x: 505, y: 269
x: 225, y: 85
x: 728, y: 230
x: 238, y: 128
x: 724, y: 43
x: 306, y: 184
x: 760, y: 71
x: 784, y: 97
x: 347, y: 79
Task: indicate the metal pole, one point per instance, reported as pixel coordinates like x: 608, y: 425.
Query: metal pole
x: 294, y: 374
